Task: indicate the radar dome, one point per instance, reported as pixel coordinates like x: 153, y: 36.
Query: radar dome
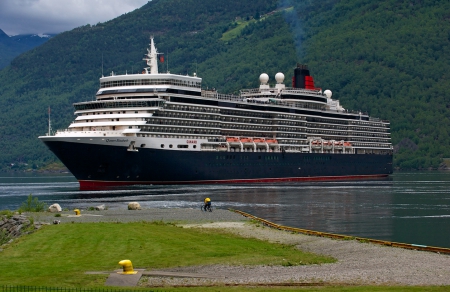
x: 328, y: 93
x: 279, y: 77
x: 264, y: 78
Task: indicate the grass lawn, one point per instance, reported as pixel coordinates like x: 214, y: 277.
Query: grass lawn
x: 59, y: 255
x: 235, y: 32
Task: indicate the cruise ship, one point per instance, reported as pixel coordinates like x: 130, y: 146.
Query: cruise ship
x: 163, y: 128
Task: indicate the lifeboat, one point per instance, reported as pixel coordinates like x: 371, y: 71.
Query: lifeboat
x: 233, y: 140
x: 259, y: 140
x: 222, y: 148
x: 316, y: 144
x: 247, y: 140
x: 272, y: 141
x: 327, y: 145
x: 338, y: 144
x: 347, y: 145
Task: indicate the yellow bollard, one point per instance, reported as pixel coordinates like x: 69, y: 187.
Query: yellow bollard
x: 77, y: 212
x: 127, y: 268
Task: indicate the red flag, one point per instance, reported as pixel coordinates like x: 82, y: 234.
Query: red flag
x: 161, y: 58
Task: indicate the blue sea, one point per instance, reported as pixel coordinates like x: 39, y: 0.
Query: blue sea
x: 408, y: 207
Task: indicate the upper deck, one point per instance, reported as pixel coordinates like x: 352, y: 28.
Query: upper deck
x: 166, y: 79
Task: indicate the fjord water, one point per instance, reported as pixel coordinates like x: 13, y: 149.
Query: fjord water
x: 409, y: 207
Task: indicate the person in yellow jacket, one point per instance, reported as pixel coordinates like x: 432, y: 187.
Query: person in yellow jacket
x: 207, y: 206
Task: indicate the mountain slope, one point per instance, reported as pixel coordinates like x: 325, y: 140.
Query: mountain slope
x: 13, y: 46
x: 388, y: 58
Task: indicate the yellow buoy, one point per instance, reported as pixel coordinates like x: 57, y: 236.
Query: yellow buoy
x: 127, y: 268
x: 77, y: 212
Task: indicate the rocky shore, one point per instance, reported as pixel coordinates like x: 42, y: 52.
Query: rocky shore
x: 357, y: 263
x: 15, y: 226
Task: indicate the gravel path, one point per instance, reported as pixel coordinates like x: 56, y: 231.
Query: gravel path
x: 174, y: 215
x: 358, y: 263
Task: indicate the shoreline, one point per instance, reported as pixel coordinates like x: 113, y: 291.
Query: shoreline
x: 357, y: 263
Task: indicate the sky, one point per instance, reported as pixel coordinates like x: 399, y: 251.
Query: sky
x: 55, y: 16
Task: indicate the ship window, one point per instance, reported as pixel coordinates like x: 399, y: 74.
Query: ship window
x: 142, y: 145
x: 162, y: 145
x: 170, y: 146
x: 195, y: 146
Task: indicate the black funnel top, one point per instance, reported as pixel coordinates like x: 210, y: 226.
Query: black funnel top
x: 299, y: 75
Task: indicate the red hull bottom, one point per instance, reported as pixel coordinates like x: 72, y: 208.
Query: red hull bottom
x: 98, y: 185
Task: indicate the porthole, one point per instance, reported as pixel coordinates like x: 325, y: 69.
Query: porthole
x: 170, y: 146
x: 195, y: 146
x: 162, y: 145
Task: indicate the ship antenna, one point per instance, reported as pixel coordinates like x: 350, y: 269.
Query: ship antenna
x: 102, y: 66
x: 151, y: 58
x: 49, y: 123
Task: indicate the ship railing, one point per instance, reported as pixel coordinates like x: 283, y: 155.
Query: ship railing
x: 250, y: 91
x: 219, y: 140
x: 285, y: 90
x: 315, y: 91
x: 64, y: 130
x: 215, y: 95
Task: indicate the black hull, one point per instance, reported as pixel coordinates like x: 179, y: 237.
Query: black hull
x: 101, y: 166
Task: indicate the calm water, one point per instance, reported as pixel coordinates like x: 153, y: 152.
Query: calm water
x: 411, y: 207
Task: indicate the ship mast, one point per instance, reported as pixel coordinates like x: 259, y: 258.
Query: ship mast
x: 152, y: 58
x: 49, y: 124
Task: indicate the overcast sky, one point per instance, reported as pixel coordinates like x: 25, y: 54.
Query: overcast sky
x: 55, y: 16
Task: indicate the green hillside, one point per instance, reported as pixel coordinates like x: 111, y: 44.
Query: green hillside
x: 387, y: 58
x: 12, y: 46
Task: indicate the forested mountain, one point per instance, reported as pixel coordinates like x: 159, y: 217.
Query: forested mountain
x: 12, y: 46
x: 386, y: 57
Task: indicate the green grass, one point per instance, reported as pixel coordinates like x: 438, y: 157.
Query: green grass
x: 59, y: 255
x: 241, y: 24
x: 236, y: 31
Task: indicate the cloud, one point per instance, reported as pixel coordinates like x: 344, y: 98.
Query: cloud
x: 55, y: 16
